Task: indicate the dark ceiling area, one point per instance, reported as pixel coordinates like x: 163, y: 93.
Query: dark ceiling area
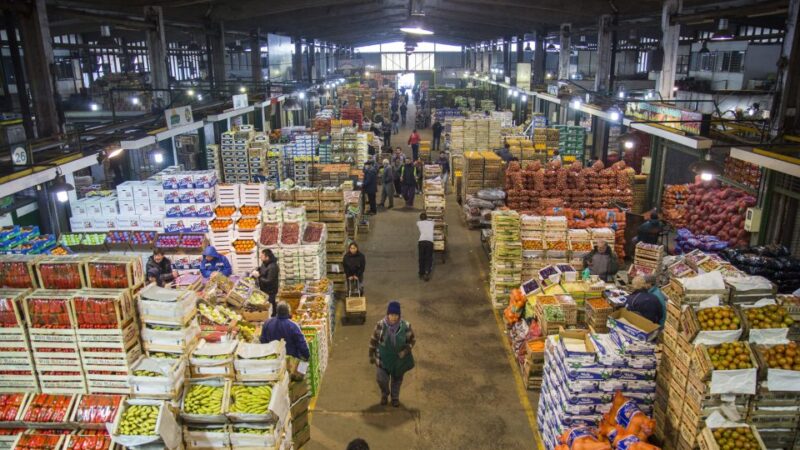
x: 363, y: 22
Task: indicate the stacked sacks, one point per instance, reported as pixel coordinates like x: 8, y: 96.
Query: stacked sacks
x: 770, y: 261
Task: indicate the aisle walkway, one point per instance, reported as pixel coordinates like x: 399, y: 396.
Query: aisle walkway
x: 462, y: 394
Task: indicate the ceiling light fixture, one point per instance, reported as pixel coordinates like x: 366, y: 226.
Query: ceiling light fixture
x: 723, y: 32
x: 706, y: 168
x: 704, y: 48
x: 614, y: 114
x: 524, y: 98
x: 576, y: 103
x: 415, y: 27
x: 61, y: 187
x: 301, y: 95
x: 158, y: 157
x: 190, y: 92
x: 94, y: 106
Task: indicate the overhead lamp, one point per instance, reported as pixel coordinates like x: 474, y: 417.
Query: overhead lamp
x: 115, y: 153
x: 301, y: 95
x: 414, y: 26
x: 510, y: 93
x: 134, y: 100
x: 366, y: 74
x: 61, y: 187
x: 723, y: 32
x: 548, y: 75
x: 524, y: 98
x: 515, y: 93
x: 94, y: 106
x: 706, y: 168
x: 200, y: 97
x: 242, y: 89
x: 704, y: 48
x: 621, y: 95
x: 190, y: 92
x: 576, y: 103
x: 614, y: 114
x: 158, y: 157
x: 628, y: 140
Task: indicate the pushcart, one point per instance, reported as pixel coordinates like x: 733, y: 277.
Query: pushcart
x: 355, y: 304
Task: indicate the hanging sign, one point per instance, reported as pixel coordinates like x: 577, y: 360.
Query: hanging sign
x: 240, y: 101
x: 691, y: 122
x: 177, y: 117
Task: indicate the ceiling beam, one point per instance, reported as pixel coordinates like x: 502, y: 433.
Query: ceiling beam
x: 526, y: 4
x: 246, y: 9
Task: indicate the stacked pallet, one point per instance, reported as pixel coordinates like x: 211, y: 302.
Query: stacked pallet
x: 168, y: 321
x: 506, y: 264
x: 533, y: 250
x: 257, y: 149
x: 213, y: 160
x: 456, y: 127
x: 572, y: 142
x: 546, y: 140
x: 235, y: 157
x: 18, y: 374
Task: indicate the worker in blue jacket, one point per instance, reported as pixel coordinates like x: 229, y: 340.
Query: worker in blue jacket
x: 282, y: 327
x: 214, y: 262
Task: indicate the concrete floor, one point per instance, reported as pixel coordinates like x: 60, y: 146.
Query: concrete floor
x: 463, y: 393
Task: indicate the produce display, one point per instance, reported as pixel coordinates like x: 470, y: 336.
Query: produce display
x: 108, y: 275
x: 783, y: 356
x: 739, y: 438
x: 774, y: 262
x: 250, y: 211
x: 90, y: 442
x: 10, y: 405
x: 168, y: 241
x: 60, y: 275
x: 38, y: 442
x: 118, y: 237
x: 270, y: 233
x: 49, y: 312
x: 244, y: 245
x: 718, y: 318
x: 220, y: 224
x: 224, y: 211
x: 71, y: 239
x: 313, y: 232
x: 718, y: 211
x: 194, y: 241
x: 742, y: 172
x: 290, y: 233
x: 250, y: 399
x: 730, y: 356
x: 143, y: 238
x: 203, y: 399
x: 139, y: 420
x: 97, y: 409
x: 770, y: 316
x: 95, y: 313
x: 15, y: 273
x: 47, y: 408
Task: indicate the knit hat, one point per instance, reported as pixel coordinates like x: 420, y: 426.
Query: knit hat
x: 394, y: 308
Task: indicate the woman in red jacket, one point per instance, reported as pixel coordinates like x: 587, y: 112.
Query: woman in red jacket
x: 413, y: 141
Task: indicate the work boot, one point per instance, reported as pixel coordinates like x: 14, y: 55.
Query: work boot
x: 395, y: 402
x: 384, y: 400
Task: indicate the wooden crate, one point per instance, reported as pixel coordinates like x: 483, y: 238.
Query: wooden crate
x: 690, y: 325
x: 706, y: 439
x: 123, y: 272
x: 701, y: 361
x: 207, y: 419
x: 22, y: 265
x: 86, y: 301
x: 51, y: 263
x: 62, y: 297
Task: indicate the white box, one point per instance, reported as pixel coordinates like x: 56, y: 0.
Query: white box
x: 156, y: 191
x: 109, y: 207
x: 143, y: 209
x: 141, y: 191
x: 125, y: 191
x: 151, y: 222
x: 94, y: 209
x: 127, y: 208
x: 80, y: 224
x: 103, y: 224
x: 128, y: 222
x: 158, y: 208
x: 78, y: 208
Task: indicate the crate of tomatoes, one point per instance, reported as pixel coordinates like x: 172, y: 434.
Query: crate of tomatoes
x: 12, y: 406
x: 86, y: 441
x: 48, y: 410
x: 38, y: 441
x: 102, y: 311
x: 49, y: 309
x: 61, y: 272
x: 95, y: 411
x: 114, y: 272
x: 18, y: 271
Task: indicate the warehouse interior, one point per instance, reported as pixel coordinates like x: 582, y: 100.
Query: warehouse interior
x: 224, y: 143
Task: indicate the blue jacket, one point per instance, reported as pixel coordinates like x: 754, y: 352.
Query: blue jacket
x: 370, y: 184
x: 655, y: 290
x: 219, y: 264
x: 282, y: 327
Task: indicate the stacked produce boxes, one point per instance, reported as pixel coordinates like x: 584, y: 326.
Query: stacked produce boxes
x: 533, y: 250
x: 213, y: 160
x: 572, y: 142
x: 169, y: 325
x: 235, y: 158
x: 506, y: 264
x: 19, y: 374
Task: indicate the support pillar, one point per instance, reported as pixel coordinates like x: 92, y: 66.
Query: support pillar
x: 157, y: 49
x: 521, y: 48
x: 34, y: 29
x: 564, y: 54
x: 507, y: 56
x: 539, y: 58
x: 297, y: 62
x: 787, y: 96
x: 216, y: 44
x: 669, y: 42
x: 310, y: 60
x: 19, y: 75
x: 602, y: 79
x: 255, y: 60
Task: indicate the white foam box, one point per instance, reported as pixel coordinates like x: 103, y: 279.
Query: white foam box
x: 109, y: 206
x: 141, y: 191
x: 80, y: 224
x: 78, y: 208
x: 156, y: 191
x: 151, y: 222
x: 158, y: 207
x: 143, y: 209
x: 128, y: 222
x: 125, y: 191
x: 103, y: 224
x: 94, y: 209
x: 126, y: 208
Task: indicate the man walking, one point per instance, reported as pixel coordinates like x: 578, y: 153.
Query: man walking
x: 370, y: 186
x: 425, y: 246
x: 437, y: 133
x: 408, y: 178
x: 387, y: 184
x: 395, y: 122
x: 413, y: 141
x: 444, y: 163
x: 403, y: 111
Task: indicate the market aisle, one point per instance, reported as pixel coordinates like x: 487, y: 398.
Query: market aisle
x: 462, y: 393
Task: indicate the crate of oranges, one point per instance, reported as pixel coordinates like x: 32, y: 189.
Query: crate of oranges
x: 220, y: 224
x: 224, y: 211
x: 250, y: 211
x: 244, y: 246
x: 247, y: 224
x: 732, y: 367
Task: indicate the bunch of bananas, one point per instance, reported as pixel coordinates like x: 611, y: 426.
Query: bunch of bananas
x: 251, y: 430
x: 203, y: 399
x: 251, y: 399
x: 163, y: 355
x: 146, y: 373
x: 139, y: 420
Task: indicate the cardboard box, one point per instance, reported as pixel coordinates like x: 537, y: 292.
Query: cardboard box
x: 127, y: 208
x: 298, y: 389
x: 167, y: 429
x: 94, y: 208
x: 128, y: 223
x: 155, y: 191
x: 80, y: 224
x: 300, y: 407
x: 158, y: 208
x: 141, y: 191
x: 109, y: 207
x: 78, y: 208
x: 143, y: 209
x: 633, y: 325
x: 125, y: 191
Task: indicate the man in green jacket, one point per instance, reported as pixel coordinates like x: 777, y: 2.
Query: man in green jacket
x: 390, y: 350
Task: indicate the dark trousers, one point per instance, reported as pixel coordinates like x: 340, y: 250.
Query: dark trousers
x: 425, y: 256
x: 384, y: 382
x: 373, y: 207
x: 415, y: 151
x: 387, y: 139
x: 271, y: 298
x: 398, y: 187
x: 408, y: 193
x: 436, y: 140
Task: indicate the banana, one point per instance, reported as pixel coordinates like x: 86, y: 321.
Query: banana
x: 146, y: 373
x: 251, y: 399
x: 139, y: 420
x: 203, y: 399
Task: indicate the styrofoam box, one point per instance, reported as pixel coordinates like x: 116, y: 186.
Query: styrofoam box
x: 80, y: 224
x: 128, y: 222
x: 156, y: 191
x: 158, y: 207
x: 78, y: 208
x: 143, y: 209
x: 109, y: 207
x: 94, y: 209
x: 103, y: 224
x: 125, y: 191
x: 151, y: 222
x: 141, y: 191
x: 127, y: 208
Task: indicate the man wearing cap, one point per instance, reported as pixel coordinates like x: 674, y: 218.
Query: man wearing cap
x: 282, y: 327
x: 390, y: 350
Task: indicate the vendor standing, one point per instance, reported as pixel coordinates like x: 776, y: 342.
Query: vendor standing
x: 643, y: 302
x: 650, y: 231
x: 602, y: 261
x: 268, y: 276
x: 160, y: 267
x: 214, y: 262
x: 282, y: 327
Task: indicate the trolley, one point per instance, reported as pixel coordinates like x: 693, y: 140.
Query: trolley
x: 355, y: 304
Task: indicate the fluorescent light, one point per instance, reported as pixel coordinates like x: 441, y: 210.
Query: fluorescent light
x: 135, y: 100
x: 242, y: 89
x: 628, y: 144
x: 524, y: 98
x: 706, y: 176
x: 114, y: 153
x: 94, y: 106
x: 301, y: 95
x: 200, y: 97
x: 190, y: 92
x: 621, y: 94
x: 62, y: 196
x: 416, y: 30
x: 614, y: 116
x: 515, y: 93
x: 576, y: 103
x: 158, y: 157
x: 510, y: 93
